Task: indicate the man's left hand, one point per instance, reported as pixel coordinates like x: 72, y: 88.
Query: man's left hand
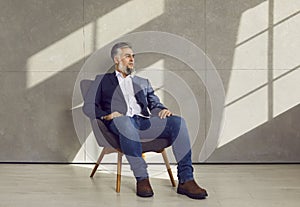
x: 164, y: 113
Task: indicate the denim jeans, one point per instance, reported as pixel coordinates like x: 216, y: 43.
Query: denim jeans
x: 131, y: 129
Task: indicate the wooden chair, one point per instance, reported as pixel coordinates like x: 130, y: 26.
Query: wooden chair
x: 110, y: 143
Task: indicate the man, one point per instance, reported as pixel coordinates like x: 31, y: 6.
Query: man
x: 124, y: 102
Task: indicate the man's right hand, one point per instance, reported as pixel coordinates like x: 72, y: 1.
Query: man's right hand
x: 112, y: 116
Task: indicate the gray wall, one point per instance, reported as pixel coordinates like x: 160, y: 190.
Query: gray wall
x: 254, y: 45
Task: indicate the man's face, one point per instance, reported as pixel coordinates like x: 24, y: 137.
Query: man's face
x: 125, y: 60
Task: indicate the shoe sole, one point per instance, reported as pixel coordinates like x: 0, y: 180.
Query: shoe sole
x: 145, y: 195
x: 193, y: 196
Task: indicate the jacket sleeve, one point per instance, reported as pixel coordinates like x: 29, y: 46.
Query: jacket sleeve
x: 154, y: 103
x: 92, y: 100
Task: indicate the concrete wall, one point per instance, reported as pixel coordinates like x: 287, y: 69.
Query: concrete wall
x: 254, y: 45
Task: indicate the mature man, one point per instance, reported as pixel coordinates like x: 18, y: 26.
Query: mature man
x: 124, y: 101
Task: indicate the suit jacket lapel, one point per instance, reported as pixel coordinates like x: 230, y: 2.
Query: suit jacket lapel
x: 114, y: 80
x: 115, y: 84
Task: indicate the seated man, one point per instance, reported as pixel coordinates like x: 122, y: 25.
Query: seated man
x: 123, y: 101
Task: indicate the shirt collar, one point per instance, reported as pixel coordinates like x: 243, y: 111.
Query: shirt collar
x: 118, y: 74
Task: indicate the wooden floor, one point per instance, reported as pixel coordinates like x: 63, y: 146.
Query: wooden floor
x: 70, y: 185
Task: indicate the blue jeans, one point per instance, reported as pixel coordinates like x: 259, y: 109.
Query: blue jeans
x: 131, y: 129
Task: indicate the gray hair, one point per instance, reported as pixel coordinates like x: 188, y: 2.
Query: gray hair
x: 116, y: 48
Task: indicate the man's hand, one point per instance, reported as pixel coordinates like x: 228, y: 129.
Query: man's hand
x: 112, y: 116
x: 164, y: 113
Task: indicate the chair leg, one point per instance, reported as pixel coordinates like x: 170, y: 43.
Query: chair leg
x: 164, y: 154
x: 103, y: 152
x: 119, y: 168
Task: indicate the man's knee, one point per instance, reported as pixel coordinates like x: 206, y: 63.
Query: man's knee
x: 176, y: 121
x: 176, y: 126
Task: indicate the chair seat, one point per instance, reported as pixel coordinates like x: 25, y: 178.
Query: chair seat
x: 111, y: 140
x: 156, y: 145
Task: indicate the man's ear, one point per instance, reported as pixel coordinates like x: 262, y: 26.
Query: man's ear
x: 116, y: 60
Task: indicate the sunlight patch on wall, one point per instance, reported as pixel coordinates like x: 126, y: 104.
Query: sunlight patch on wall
x: 251, y: 50
x: 243, y: 82
x: 55, y: 58
x: 283, y: 9
x: 246, y: 105
x: 286, y: 45
x: 70, y: 49
x: 286, y: 92
x: 252, y: 22
x: 245, y: 115
x: 121, y: 21
x: 252, y: 54
x: 90, y: 150
x: 286, y: 55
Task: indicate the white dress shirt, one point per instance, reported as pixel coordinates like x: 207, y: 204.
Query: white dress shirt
x: 133, y: 108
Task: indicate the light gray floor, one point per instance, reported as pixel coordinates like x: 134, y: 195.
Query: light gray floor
x: 70, y: 185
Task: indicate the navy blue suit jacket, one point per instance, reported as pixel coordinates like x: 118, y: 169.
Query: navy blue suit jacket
x: 105, y: 96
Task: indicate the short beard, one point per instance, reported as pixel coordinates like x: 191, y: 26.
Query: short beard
x: 126, y: 70
x: 129, y: 71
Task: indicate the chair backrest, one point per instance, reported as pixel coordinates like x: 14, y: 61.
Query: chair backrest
x: 103, y: 136
x: 84, y: 87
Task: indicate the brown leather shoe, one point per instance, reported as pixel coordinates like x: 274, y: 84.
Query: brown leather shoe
x: 192, y: 190
x: 143, y: 188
